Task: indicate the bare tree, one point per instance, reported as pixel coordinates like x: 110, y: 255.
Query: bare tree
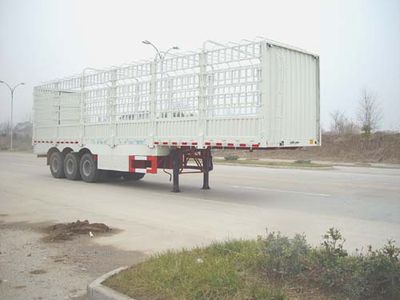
x: 342, y: 125
x: 4, y: 129
x: 338, y: 121
x: 369, y: 112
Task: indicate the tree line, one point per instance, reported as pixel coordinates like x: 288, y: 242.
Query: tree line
x: 367, y: 119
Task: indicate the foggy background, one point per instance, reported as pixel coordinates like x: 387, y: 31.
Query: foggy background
x: 358, y: 42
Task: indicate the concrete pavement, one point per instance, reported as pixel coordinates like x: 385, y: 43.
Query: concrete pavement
x: 363, y: 202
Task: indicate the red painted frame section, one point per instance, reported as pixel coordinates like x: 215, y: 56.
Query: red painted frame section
x: 154, y: 163
x: 131, y: 161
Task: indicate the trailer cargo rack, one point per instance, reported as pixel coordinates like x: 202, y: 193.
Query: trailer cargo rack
x: 170, y: 112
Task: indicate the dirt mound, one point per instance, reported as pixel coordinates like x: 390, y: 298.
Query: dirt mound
x: 66, y: 231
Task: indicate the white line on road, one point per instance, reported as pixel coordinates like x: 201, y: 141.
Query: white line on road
x: 279, y: 191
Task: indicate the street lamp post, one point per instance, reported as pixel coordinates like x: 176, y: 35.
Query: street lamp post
x: 161, y: 54
x: 12, y: 89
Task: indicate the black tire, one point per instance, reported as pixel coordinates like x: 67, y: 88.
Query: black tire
x: 88, y: 168
x: 133, y: 176
x: 71, y: 166
x: 56, y: 163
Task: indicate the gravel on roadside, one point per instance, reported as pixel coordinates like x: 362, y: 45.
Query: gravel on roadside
x: 33, y: 269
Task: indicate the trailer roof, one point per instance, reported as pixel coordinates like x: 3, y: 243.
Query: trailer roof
x: 205, y: 48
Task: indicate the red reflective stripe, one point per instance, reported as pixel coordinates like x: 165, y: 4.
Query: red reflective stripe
x: 255, y: 145
x: 165, y: 143
x: 218, y: 144
x: 156, y: 143
x: 131, y: 159
x: 230, y: 145
x: 174, y: 143
x: 76, y: 142
x: 153, y: 169
x: 194, y: 143
x: 207, y: 143
x: 184, y: 143
x: 242, y: 145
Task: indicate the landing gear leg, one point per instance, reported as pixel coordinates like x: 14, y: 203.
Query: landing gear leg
x: 176, y: 165
x: 206, y: 168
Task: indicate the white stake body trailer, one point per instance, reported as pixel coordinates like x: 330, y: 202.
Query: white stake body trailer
x: 170, y: 112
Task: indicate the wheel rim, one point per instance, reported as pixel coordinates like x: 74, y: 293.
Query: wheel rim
x: 86, y: 168
x: 54, y: 164
x: 70, y: 166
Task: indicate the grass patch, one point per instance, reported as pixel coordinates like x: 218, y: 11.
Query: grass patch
x: 220, y: 271
x: 277, y: 164
x: 272, y: 267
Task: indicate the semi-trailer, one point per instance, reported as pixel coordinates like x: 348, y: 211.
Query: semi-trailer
x: 171, y: 112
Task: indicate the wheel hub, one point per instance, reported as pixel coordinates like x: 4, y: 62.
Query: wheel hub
x: 87, y: 168
x: 54, y: 164
x: 70, y: 166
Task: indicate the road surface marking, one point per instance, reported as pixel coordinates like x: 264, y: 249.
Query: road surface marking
x: 279, y: 191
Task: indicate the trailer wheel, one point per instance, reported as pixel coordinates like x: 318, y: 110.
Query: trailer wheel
x: 71, y: 166
x: 88, y: 168
x: 133, y: 176
x: 56, y: 163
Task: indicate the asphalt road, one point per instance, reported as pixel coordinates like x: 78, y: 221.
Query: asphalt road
x: 364, y: 203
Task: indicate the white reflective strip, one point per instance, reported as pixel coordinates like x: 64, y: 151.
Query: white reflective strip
x: 140, y: 170
x: 140, y: 157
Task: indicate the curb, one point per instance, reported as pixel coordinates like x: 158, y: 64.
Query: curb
x: 97, y: 291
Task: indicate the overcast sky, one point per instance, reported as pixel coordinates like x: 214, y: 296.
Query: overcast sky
x: 358, y: 41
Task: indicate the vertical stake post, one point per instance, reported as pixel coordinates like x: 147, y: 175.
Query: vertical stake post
x: 206, y: 168
x: 176, y: 165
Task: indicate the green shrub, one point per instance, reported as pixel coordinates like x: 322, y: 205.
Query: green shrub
x: 300, y: 161
x: 333, y: 243
x: 378, y: 273
x: 284, y: 256
x: 272, y: 267
x: 231, y: 157
x: 374, y: 275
